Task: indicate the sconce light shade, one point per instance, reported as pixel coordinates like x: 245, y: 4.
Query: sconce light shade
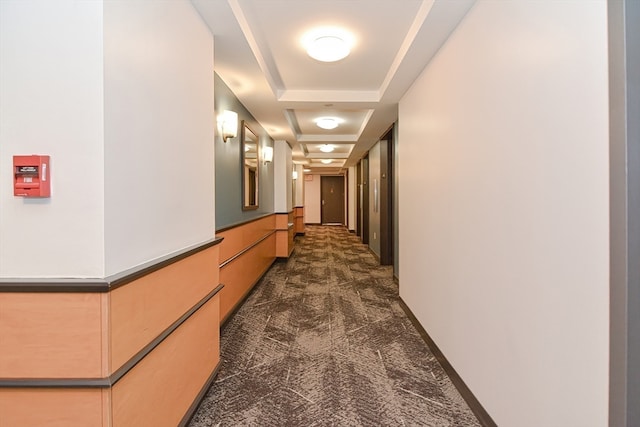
x: 267, y: 154
x: 295, y: 174
x: 228, y: 124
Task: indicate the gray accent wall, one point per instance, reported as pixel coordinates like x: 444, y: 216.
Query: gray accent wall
x: 624, y: 155
x: 228, y: 174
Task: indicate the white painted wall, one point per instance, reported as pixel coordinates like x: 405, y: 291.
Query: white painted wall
x: 51, y: 102
x: 351, y: 197
x: 108, y: 90
x: 159, y: 174
x: 282, y: 177
x: 298, y: 199
x: 503, y: 175
x: 312, y: 213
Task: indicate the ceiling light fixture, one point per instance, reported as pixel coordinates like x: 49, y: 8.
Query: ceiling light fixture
x: 326, y: 161
x: 327, y: 123
x: 328, y: 49
x: 328, y: 44
x: 267, y: 153
x: 326, y: 148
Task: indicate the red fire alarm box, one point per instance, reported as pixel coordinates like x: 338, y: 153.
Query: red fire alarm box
x: 31, y: 176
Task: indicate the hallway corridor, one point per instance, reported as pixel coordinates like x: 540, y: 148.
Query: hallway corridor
x: 323, y: 341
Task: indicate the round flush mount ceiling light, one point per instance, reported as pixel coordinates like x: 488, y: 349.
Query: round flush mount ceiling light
x: 327, y: 123
x: 328, y: 49
x: 326, y: 161
x: 326, y: 148
x: 328, y: 44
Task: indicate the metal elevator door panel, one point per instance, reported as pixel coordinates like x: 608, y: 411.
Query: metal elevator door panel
x: 332, y: 202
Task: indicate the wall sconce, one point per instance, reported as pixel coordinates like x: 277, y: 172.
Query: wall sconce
x: 228, y: 124
x: 267, y: 154
x: 295, y: 174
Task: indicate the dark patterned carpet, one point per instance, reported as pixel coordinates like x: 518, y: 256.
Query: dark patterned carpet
x: 323, y: 341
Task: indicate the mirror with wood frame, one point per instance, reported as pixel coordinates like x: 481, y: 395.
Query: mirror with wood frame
x: 250, y: 171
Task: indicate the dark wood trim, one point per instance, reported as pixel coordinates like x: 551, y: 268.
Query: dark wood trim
x: 53, y: 285
x: 358, y: 198
x: 284, y: 213
x: 102, y: 285
x: 386, y: 198
x: 248, y: 248
x: 118, y: 374
x: 365, y: 200
x: 347, y: 181
x: 474, y: 404
x: 55, y: 383
x: 196, y: 402
x: 623, y: 17
x: 238, y: 224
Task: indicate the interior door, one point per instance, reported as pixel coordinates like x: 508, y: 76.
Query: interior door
x: 332, y: 202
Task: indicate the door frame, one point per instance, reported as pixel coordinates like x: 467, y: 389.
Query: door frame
x: 624, y: 212
x: 386, y: 198
x: 358, y: 220
x: 364, y: 236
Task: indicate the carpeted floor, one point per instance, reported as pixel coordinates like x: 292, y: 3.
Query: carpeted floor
x: 323, y: 341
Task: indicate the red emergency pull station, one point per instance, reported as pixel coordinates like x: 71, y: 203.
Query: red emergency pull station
x: 31, y: 176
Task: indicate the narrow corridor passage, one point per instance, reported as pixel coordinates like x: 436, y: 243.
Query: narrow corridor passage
x: 323, y: 341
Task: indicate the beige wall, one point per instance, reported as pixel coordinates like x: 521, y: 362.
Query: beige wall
x: 503, y: 171
x: 312, y: 200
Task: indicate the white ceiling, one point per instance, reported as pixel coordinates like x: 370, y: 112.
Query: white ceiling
x: 259, y: 55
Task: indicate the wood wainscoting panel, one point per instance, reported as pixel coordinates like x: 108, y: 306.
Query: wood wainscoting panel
x: 282, y: 243
x: 239, y: 238
x: 142, y: 309
x: 50, y: 335
x: 282, y: 220
x: 52, y: 408
x: 284, y: 234
x: 159, y: 390
x: 243, y: 272
x: 292, y: 235
x: 299, y: 219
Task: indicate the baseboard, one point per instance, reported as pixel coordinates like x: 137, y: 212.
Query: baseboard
x: 375, y: 255
x: 196, y: 402
x: 475, y: 405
